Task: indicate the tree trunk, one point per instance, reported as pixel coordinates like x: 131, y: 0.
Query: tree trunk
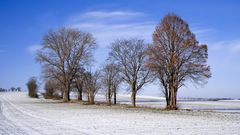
x: 166, y: 97
x: 66, y: 93
x: 173, y: 104
x: 134, y: 92
x: 91, y: 97
x: 91, y: 102
x: 114, y: 95
x: 133, y: 98
x: 169, y: 99
x: 88, y: 96
x: 109, y: 96
x: 79, y: 95
x: 66, y: 96
x: 167, y: 102
x: 175, y: 99
x: 79, y: 91
x: 62, y: 92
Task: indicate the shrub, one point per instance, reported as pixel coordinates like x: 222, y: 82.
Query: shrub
x: 49, y: 89
x: 32, y: 87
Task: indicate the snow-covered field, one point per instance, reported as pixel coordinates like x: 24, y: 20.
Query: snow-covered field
x: 22, y: 115
x: 193, y: 104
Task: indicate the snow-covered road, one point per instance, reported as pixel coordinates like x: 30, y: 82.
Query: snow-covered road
x: 22, y: 115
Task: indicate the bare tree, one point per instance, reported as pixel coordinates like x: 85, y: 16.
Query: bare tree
x: 130, y: 57
x: 51, y: 73
x: 176, y: 57
x: 51, y: 86
x: 3, y: 90
x: 15, y: 89
x: 18, y: 88
x: 62, y: 53
x: 78, y: 83
x: 111, y: 80
x: 91, y: 85
x: 12, y: 89
x: 32, y: 87
x: 115, y: 86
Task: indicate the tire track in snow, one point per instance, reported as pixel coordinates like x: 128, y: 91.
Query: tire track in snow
x: 30, y: 123
x: 7, y: 127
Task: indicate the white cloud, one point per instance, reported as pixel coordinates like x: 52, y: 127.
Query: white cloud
x: 108, y: 26
x: 231, y: 46
x: 202, y: 33
x: 224, y: 46
x: 102, y: 14
x: 198, y: 30
x: 106, y: 33
x: 236, y: 47
x: 33, y: 48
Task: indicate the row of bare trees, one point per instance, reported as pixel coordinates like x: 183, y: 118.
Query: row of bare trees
x: 86, y: 82
x: 174, y: 58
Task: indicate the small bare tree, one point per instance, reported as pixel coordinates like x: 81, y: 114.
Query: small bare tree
x: 110, y: 79
x: 130, y: 57
x: 61, y: 54
x: 12, y: 89
x: 91, y: 85
x: 78, y: 83
x: 176, y: 57
x: 51, y: 86
x: 115, y: 86
x: 18, y: 88
x: 32, y: 87
x: 51, y: 73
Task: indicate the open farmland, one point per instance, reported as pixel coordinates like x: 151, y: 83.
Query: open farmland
x: 22, y: 115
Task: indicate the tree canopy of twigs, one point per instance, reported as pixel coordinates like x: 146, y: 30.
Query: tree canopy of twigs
x: 111, y: 79
x: 130, y: 57
x: 63, y: 52
x: 176, y: 57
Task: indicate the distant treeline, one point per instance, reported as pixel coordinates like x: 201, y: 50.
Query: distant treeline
x: 204, y: 99
x: 11, y: 89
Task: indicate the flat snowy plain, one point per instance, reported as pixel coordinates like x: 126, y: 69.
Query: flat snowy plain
x: 21, y: 115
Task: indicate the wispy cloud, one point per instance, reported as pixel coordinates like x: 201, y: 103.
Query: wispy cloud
x: 105, y: 16
x: 33, y: 48
x: 108, y: 26
x: 202, y: 33
x: 232, y: 46
x: 102, y: 14
x: 236, y: 47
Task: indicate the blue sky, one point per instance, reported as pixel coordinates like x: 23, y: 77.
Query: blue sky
x: 216, y: 23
